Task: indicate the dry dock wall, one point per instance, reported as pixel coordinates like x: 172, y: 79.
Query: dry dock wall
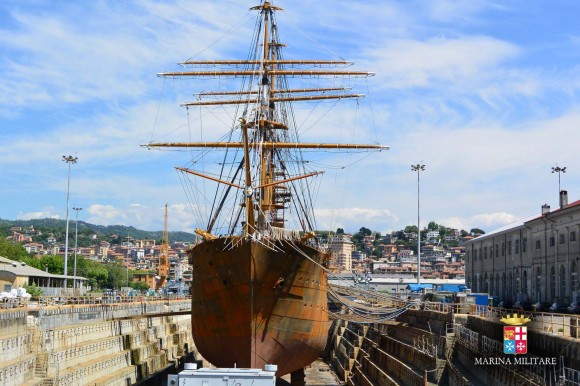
x: 429, y: 347
x: 113, y: 344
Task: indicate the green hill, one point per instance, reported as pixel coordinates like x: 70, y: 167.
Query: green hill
x: 58, y: 227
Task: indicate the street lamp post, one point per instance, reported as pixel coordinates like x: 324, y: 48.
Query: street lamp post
x: 558, y: 170
x: 69, y: 160
x: 418, y: 168
x: 76, y: 246
x: 128, y: 258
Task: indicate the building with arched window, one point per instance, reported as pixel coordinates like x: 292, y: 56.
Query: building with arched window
x: 536, y: 259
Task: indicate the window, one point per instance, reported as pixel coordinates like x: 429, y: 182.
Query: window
x: 524, y: 244
x: 538, y: 244
x: 485, y: 253
x: 496, y: 250
x: 553, y: 282
x: 572, y: 236
x: 509, y: 248
x: 552, y: 241
x: 573, y: 276
x: 562, y: 238
x: 503, y: 249
x: 517, y: 246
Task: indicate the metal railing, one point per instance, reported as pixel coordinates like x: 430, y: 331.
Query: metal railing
x: 93, y: 299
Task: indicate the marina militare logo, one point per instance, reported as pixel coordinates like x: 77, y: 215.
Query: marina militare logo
x: 515, y: 334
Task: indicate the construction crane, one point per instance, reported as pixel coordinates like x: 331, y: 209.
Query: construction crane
x: 163, y: 266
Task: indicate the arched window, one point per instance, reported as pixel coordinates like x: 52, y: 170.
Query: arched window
x: 510, y: 286
x: 503, y: 286
x: 563, y: 294
x: 525, y: 285
x: 518, y: 284
x: 485, y: 283
x: 497, y: 288
x: 573, y: 278
x: 553, y: 283
x: 539, y: 284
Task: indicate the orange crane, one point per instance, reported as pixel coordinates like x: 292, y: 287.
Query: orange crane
x: 163, y: 266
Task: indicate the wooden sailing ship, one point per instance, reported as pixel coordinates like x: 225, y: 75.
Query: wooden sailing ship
x: 259, y: 290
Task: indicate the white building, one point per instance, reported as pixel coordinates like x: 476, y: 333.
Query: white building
x: 341, y: 251
x: 535, y: 260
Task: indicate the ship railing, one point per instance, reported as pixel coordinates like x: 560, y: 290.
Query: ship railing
x: 283, y: 233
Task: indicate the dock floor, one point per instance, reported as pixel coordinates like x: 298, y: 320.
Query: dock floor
x: 317, y: 374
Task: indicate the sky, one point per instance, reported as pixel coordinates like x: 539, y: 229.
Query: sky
x: 485, y: 94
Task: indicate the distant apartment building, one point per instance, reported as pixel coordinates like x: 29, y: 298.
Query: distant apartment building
x: 144, y: 243
x: 340, y: 248
x: 102, y: 250
x: 358, y: 255
x: 33, y: 247
x: 405, y: 255
x: 432, y: 236
x: 535, y: 260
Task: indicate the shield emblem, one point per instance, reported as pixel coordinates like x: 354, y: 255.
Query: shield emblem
x: 515, y: 340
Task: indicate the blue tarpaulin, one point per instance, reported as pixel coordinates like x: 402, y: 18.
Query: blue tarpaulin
x: 451, y: 287
x: 419, y: 287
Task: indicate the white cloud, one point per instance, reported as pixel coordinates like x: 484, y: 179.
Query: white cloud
x: 406, y: 63
x: 352, y: 219
x: 45, y: 213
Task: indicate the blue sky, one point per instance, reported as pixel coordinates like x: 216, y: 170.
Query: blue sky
x: 484, y: 93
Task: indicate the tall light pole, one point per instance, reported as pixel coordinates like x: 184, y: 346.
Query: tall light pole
x: 418, y: 168
x: 558, y: 170
x: 69, y: 160
x: 76, y: 244
x: 128, y: 258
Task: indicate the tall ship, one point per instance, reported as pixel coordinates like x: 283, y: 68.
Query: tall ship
x: 259, y: 273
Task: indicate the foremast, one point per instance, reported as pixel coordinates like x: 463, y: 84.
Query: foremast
x: 266, y: 195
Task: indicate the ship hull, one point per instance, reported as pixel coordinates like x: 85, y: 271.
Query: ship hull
x: 253, y: 305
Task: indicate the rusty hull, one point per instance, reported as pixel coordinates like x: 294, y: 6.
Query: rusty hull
x: 253, y: 306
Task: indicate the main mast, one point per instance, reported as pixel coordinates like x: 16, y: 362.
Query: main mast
x: 267, y: 183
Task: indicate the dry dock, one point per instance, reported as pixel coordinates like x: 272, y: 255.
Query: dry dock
x: 135, y: 342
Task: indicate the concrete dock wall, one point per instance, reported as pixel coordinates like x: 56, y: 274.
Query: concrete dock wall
x: 109, y: 344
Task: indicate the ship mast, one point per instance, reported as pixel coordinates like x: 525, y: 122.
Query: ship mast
x: 265, y: 126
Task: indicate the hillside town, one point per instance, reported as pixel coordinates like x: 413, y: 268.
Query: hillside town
x: 392, y: 255
x: 396, y: 256
x: 140, y: 256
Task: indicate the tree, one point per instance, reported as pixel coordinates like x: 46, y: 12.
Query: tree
x: 339, y: 231
x: 117, y: 277
x: 463, y: 233
x: 139, y: 286
x: 411, y: 229
x: 432, y: 226
x: 33, y: 290
x: 365, y: 231
x: 13, y: 250
x: 476, y: 231
x: 55, y: 264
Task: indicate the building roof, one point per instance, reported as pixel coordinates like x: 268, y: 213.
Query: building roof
x: 522, y: 222
x: 21, y: 269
